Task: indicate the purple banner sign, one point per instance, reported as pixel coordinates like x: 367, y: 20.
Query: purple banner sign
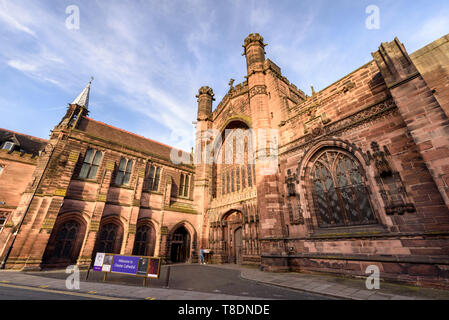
x: 124, y: 264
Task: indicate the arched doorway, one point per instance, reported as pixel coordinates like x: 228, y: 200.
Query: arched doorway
x: 232, y: 236
x: 180, y: 246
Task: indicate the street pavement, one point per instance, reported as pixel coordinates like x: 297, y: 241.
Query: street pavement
x: 209, y: 282
x: 196, y: 279
x: 14, y: 292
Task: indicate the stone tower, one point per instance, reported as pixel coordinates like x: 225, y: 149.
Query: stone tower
x: 201, y: 191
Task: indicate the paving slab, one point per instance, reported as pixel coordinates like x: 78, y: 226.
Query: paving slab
x: 345, y: 288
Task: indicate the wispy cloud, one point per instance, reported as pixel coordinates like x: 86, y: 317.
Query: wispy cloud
x: 21, y: 66
x: 11, y: 21
x: 150, y: 57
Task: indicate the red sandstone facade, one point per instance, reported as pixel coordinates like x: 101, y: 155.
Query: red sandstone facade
x: 361, y: 177
x: 81, y: 199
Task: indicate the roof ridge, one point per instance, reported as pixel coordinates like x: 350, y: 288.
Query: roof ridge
x: 134, y: 134
x: 24, y: 134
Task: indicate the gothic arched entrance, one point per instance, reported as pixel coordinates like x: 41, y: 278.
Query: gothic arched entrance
x: 180, y: 245
x: 232, y: 235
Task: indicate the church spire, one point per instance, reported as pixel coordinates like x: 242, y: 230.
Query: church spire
x: 83, y: 99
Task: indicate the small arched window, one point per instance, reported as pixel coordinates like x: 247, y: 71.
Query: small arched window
x: 145, y: 241
x: 65, y: 240
x: 91, y: 164
x: 124, y: 172
x: 108, y: 238
x: 184, y: 185
x: 339, y: 192
x: 153, y: 178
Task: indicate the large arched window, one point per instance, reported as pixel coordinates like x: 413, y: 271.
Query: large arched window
x: 108, y: 238
x: 65, y: 240
x: 145, y: 241
x: 339, y: 192
x: 233, y: 168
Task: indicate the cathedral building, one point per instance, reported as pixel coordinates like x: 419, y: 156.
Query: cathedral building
x: 353, y: 176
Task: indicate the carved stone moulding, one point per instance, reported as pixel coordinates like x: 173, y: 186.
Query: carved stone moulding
x: 261, y: 89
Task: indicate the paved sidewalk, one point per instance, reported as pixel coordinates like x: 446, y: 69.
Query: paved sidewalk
x: 110, y: 290
x: 340, y: 287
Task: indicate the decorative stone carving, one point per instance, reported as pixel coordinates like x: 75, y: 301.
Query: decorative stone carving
x: 333, y: 129
x: 392, y: 189
x: 348, y: 86
x: 315, y: 126
x: 290, y: 181
x: 253, y: 37
x: 380, y: 162
x: 257, y: 90
x: 293, y: 202
x: 205, y: 90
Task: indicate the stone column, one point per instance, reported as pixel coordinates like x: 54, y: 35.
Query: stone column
x: 201, y: 193
x: 270, y: 209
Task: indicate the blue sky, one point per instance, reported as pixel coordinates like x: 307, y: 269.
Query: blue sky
x: 149, y: 58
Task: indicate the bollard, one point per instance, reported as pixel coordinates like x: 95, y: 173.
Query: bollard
x: 88, y: 270
x: 167, y: 279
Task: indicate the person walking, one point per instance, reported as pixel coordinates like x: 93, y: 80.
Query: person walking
x: 202, y: 256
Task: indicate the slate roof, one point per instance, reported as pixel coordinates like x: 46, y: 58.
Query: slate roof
x: 29, y: 144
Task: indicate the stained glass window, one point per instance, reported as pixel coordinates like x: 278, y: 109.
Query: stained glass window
x: 339, y: 192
